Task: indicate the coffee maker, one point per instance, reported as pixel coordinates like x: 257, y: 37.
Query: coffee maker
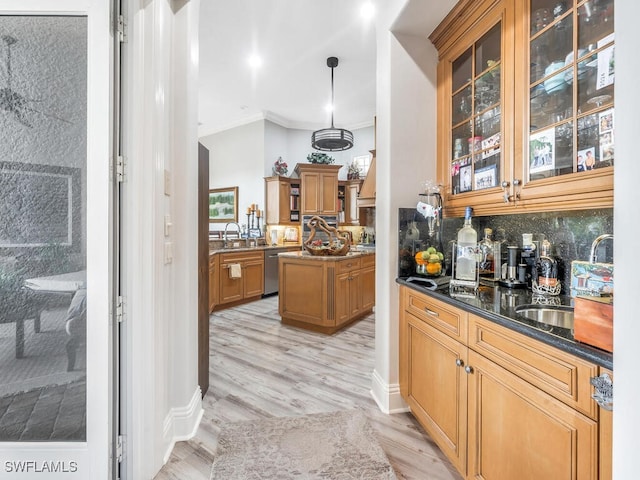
x: 516, y: 276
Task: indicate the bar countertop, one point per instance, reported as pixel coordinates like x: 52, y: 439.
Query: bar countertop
x: 498, y: 304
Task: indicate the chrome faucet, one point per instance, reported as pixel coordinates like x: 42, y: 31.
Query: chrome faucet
x: 592, y: 256
x: 224, y: 237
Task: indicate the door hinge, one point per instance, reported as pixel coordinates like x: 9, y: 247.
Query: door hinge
x: 120, y: 309
x: 121, y: 25
x: 119, y: 448
x: 119, y: 168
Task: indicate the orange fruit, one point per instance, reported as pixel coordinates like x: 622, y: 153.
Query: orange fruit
x: 434, y: 268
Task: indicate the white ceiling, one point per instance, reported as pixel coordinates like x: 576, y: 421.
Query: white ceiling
x: 293, y: 86
x: 294, y: 38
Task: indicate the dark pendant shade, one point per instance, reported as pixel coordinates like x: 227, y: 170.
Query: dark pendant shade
x: 332, y: 139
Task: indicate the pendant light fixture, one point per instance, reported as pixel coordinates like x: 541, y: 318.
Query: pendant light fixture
x: 332, y: 139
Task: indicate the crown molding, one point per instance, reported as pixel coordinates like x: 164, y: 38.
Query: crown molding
x: 204, y: 130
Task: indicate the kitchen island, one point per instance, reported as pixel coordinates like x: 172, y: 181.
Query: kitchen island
x: 325, y: 293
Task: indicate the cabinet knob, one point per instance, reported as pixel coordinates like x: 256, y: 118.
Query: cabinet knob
x: 459, y: 362
x: 468, y: 369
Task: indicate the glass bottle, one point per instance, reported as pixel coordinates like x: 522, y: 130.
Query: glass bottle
x: 466, y: 251
x: 546, y: 270
x: 487, y: 255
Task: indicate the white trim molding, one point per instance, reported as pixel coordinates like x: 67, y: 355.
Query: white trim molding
x: 181, y: 423
x: 387, y: 396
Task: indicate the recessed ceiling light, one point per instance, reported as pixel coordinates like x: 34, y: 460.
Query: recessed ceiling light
x: 367, y: 11
x: 255, y: 61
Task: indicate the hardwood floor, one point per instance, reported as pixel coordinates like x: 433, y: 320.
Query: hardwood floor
x: 259, y: 368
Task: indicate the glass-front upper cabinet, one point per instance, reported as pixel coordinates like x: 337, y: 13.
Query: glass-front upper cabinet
x: 476, y: 114
x: 571, y: 88
x: 475, y: 103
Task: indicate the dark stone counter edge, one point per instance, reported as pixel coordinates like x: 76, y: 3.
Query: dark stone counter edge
x: 259, y: 248
x: 585, y: 352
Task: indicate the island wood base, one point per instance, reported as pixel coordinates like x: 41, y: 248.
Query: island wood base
x: 320, y: 328
x: 325, y: 294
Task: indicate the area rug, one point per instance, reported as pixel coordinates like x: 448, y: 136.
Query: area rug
x: 329, y: 446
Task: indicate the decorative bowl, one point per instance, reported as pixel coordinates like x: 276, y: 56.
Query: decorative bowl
x: 338, y: 243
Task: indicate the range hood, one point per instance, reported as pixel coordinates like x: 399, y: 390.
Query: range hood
x: 367, y: 197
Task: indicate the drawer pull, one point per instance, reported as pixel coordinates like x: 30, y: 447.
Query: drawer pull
x: 459, y: 362
x: 603, y: 394
x: 431, y: 312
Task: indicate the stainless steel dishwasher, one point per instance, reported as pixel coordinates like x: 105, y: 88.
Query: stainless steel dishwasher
x: 271, y: 270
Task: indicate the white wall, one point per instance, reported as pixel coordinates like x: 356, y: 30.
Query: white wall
x: 405, y: 157
x: 276, y: 145
x: 244, y: 155
x: 237, y: 158
x: 163, y: 400
x: 626, y: 415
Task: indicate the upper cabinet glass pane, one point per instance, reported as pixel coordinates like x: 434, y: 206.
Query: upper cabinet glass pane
x: 461, y: 106
x: 462, y: 70
x: 487, y: 89
x: 550, y: 50
x: 476, y: 114
x: 595, y: 24
x: 571, y: 58
x: 488, y: 50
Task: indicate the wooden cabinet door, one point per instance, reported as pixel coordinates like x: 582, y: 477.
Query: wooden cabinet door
x: 368, y: 287
x: 343, y: 298
x: 253, y: 278
x: 351, y: 210
x: 213, y: 282
x: 329, y: 193
x: 277, y: 201
x: 475, y: 105
x: 303, y: 291
x: 518, y: 431
x: 310, y: 191
x: 355, y: 294
x: 231, y: 289
x: 434, y: 384
x: 565, y: 154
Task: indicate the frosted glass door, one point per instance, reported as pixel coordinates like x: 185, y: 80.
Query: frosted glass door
x: 54, y: 226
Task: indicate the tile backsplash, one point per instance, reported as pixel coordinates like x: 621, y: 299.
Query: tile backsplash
x: 571, y: 234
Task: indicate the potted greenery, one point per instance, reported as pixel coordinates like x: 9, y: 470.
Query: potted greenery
x: 321, y: 158
x: 353, y: 172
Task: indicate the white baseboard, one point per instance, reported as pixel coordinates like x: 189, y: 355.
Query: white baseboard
x: 181, y: 423
x: 387, y: 396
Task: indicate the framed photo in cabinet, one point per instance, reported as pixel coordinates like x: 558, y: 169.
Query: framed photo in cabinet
x: 223, y: 205
x: 542, y: 151
x: 485, y: 178
x: 465, y: 178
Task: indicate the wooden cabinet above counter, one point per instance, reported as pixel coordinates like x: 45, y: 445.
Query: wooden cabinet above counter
x: 319, y: 188
x: 525, y: 96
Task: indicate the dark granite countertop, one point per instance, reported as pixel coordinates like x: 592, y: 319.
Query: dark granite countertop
x: 328, y: 258
x: 498, y: 304
x: 258, y: 248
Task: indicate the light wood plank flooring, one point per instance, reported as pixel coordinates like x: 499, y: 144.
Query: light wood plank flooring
x: 259, y: 368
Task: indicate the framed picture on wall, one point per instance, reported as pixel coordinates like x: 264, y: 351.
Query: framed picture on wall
x: 223, y: 205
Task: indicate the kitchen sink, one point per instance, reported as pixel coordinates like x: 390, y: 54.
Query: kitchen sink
x: 554, y: 316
